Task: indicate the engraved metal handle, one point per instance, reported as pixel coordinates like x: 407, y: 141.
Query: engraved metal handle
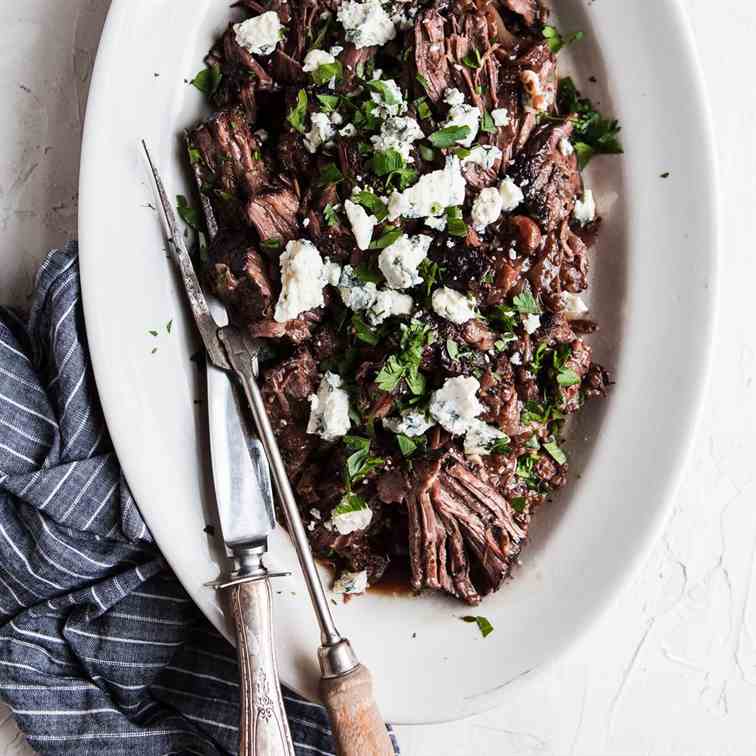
x: 264, y: 729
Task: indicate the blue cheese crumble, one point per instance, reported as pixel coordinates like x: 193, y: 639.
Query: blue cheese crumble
x: 481, y: 438
x: 455, y: 406
x: 452, y: 305
x: 351, y: 582
x: 412, y: 423
x: 399, y: 261
x: 389, y: 303
x: 432, y: 194
x: 398, y: 133
x: 302, y: 280
x: 329, y: 409
x: 362, y: 223
x: 259, y: 35
x: 366, y: 24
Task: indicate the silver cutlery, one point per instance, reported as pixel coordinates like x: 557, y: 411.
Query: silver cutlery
x: 346, y: 685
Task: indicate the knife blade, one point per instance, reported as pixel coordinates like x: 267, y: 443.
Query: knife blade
x: 241, y: 475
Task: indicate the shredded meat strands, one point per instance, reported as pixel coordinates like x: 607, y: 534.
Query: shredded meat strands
x: 287, y: 146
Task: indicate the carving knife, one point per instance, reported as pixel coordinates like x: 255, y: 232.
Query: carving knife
x: 346, y: 684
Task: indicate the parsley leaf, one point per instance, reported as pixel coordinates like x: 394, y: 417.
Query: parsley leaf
x: 387, y: 94
x: 195, y: 156
x: 423, y: 82
x: 452, y: 348
x: 208, y: 80
x: 525, y: 303
x: 567, y: 377
x: 298, y: 114
x: 487, y: 123
x: 593, y: 133
x: 408, y: 446
x: 188, y: 214
x: 556, y: 41
x: 330, y: 215
x: 485, y: 627
x: 327, y: 71
x: 351, y: 502
x: 422, y: 108
x: 431, y: 272
x: 330, y: 175
x: 359, y: 464
x: 387, y: 239
x: 406, y: 364
x: 371, y: 203
x: 473, y: 59
x: 387, y: 162
x: 363, y: 332
x: 449, y: 135
x: 271, y: 245
x: 455, y: 225
x: 556, y: 453
x: 329, y: 102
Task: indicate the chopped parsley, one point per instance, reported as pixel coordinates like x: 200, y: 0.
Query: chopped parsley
x: 387, y: 239
x: 484, y: 625
x: 518, y: 503
x: 427, y: 153
x: 371, y: 203
x: 487, y: 123
x: 593, y: 134
x: 208, y: 80
x: 329, y: 103
x: 387, y: 162
x: 169, y: 326
x: 556, y: 453
x: 195, y: 156
x: 408, y: 446
x: 455, y: 225
x: 406, y: 364
x: 387, y: 94
x: 298, y: 114
x: 473, y: 59
x: 422, y: 108
x: 567, y: 377
x: 556, y: 41
x: 525, y: 303
x: 363, y: 331
x: 326, y: 72
x: 366, y: 274
x: 330, y: 215
x: 351, y: 502
x: 452, y: 348
x: 431, y: 273
x: 449, y: 135
x: 272, y: 244
x: 360, y: 463
x: 330, y: 175
x: 423, y: 83
x: 188, y: 214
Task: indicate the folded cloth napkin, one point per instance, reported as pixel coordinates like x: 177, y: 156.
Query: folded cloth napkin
x: 101, y: 649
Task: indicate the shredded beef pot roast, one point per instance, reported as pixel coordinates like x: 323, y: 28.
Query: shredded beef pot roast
x: 393, y: 200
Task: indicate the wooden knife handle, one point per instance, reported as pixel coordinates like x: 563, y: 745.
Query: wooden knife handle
x: 264, y: 729
x: 357, y: 725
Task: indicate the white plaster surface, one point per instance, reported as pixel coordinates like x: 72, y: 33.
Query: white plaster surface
x: 671, y: 669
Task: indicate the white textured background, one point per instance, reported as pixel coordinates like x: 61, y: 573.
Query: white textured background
x: 671, y: 670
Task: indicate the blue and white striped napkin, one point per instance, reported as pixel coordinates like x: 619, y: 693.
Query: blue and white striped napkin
x: 101, y: 650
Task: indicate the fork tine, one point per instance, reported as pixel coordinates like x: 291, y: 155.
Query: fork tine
x: 206, y: 324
